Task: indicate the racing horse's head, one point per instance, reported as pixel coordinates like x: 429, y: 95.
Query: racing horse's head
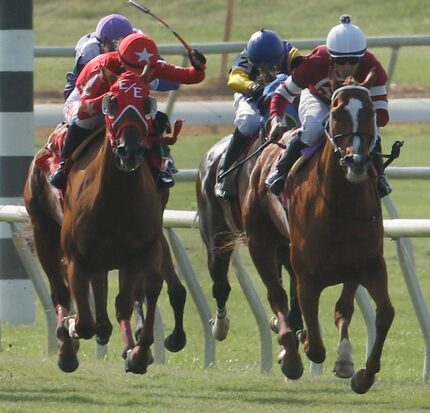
x: 351, y: 127
x: 129, y: 112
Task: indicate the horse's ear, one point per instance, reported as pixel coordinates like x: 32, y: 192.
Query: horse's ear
x: 332, y: 77
x: 370, y: 79
x: 146, y: 73
x: 109, y: 76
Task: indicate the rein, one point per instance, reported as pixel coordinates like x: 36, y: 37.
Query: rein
x: 237, y: 165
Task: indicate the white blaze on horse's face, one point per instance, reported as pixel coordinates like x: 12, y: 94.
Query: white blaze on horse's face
x: 355, y: 174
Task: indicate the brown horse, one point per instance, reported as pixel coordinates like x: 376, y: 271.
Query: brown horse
x: 112, y: 219
x: 223, y: 223
x: 336, y: 230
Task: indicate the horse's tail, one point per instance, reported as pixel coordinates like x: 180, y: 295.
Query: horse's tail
x: 231, y: 241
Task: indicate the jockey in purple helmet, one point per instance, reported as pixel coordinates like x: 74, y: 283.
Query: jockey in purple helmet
x: 109, y: 32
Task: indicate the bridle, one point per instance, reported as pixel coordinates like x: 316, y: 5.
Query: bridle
x: 329, y: 130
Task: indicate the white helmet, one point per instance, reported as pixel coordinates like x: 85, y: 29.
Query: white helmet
x: 346, y: 39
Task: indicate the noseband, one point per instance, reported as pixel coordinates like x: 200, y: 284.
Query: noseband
x: 329, y: 129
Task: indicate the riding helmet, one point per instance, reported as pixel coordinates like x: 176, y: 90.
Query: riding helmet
x: 265, y: 49
x: 346, y: 39
x: 136, y: 51
x: 113, y: 27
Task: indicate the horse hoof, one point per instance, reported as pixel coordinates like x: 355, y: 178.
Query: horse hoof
x: 220, y: 327
x: 102, y: 340
x: 103, y: 332
x: 360, y: 384
x: 292, y: 371
x: 175, y: 342
x: 68, y: 364
x: 316, y: 356
x: 131, y: 366
x: 343, y: 369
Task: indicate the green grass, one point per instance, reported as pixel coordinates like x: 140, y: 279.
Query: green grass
x: 31, y: 382
x: 63, y: 23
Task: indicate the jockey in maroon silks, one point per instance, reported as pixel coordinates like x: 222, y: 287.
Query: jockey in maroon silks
x: 345, y: 51
x: 85, y: 112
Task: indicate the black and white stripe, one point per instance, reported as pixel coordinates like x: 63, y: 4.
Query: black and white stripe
x: 16, y: 132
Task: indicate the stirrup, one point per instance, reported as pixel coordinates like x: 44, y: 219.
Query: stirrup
x: 275, y: 183
x: 165, y: 180
x: 384, y: 187
x: 58, y: 179
x: 221, y: 192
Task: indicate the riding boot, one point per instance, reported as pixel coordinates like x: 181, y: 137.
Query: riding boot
x: 223, y: 187
x: 171, y: 167
x: 165, y: 177
x: 276, y: 180
x: 384, y: 187
x: 75, y: 136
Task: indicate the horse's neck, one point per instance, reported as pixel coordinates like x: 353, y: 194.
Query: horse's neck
x: 109, y: 178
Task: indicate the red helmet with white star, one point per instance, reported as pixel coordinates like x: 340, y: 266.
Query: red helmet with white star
x: 136, y: 51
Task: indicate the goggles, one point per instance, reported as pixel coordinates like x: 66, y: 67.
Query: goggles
x: 343, y: 60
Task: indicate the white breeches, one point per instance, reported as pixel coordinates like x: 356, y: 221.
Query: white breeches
x: 247, y: 116
x: 312, y: 114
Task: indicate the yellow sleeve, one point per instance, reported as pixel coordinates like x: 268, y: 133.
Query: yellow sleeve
x: 293, y: 54
x: 238, y: 80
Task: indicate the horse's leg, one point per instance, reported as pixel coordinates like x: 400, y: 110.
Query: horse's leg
x: 103, y: 326
x: 83, y: 325
x: 309, y: 294
x: 139, y: 357
x: 376, y: 284
x: 218, y: 263
x: 264, y: 258
x: 344, y: 365
x: 47, y: 242
x: 177, y: 296
x: 295, y: 318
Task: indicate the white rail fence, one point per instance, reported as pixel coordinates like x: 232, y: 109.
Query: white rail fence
x: 398, y: 229
x: 392, y: 42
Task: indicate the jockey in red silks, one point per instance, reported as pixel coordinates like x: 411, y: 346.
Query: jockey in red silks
x: 345, y: 51
x: 84, y: 113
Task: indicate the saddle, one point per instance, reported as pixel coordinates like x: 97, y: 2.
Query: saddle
x: 307, y: 154
x: 49, y: 156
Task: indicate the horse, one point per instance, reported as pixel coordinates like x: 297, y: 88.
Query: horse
x: 111, y: 219
x: 335, y: 229
x: 222, y: 227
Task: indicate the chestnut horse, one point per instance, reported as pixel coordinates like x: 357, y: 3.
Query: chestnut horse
x: 222, y: 226
x: 336, y: 230
x: 112, y: 219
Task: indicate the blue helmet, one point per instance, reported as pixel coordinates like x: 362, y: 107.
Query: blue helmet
x: 265, y: 49
x: 113, y: 27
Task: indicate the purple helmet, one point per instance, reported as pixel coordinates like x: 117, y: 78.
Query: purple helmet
x: 113, y: 27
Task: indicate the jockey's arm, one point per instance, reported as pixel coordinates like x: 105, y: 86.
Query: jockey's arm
x: 186, y: 75
x: 239, y: 81
x: 163, y: 85
x: 90, y: 106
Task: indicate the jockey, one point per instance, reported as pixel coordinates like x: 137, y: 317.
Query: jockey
x: 109, y: 32
x: 264, y: 56
x: 84, y: 114
x: 346, y: 51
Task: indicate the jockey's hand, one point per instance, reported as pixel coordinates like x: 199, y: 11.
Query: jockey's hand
x: 276, y: 128
x: 197, y: 60
x: 255, y: 90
